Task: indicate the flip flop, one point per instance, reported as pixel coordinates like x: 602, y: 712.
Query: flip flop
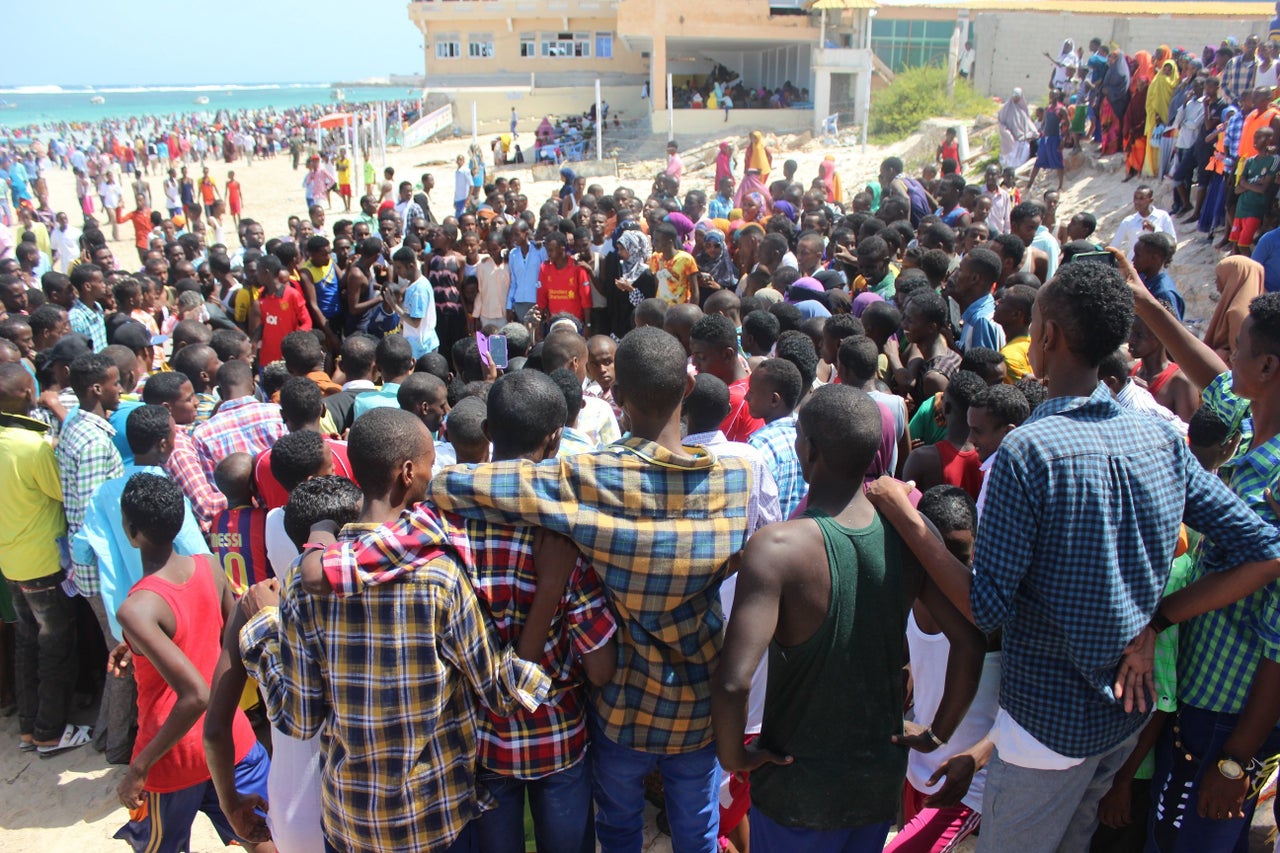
x: 73, y: 737
x: 26, y: 746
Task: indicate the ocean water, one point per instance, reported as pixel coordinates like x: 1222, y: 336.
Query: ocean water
x: 42, y: 104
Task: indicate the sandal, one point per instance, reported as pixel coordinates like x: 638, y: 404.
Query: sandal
x: 26, y: 746
x: 73, y: 737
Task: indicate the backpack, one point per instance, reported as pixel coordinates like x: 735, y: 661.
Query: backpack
x: 919, y: 196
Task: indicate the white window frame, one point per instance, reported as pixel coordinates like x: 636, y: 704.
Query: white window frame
x: 480, y: 46
x: 601, y: 54
x: 528, y: 45
x: 565, y: 45
x: 448, y: 46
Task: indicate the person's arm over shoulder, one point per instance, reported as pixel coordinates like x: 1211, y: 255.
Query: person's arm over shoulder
x: 589, y: 623
x: 500, y: 679
x: 512, y: 492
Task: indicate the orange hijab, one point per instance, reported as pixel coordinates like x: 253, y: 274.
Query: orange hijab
x: 1143, y: 70
x: 1239, y: 282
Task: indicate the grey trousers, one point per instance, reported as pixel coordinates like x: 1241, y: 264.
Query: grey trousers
x: 117, y: 722
x: 1046, y: 811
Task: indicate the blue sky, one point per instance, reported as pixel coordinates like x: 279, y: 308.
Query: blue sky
x: 210, y: 41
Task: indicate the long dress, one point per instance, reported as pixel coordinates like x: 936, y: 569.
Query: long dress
x: 1133, y: 129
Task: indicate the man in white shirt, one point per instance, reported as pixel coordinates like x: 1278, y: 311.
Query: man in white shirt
x: 461, y: 186
x: 1064, y: 67
x: 964, y: 65
x: 65, y: 242
x: 1146, y: 217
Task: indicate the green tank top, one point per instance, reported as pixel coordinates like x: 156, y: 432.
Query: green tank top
x: 833, y: 701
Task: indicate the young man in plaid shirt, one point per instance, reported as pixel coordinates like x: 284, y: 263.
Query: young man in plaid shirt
x: 540, y: 752
x: 241, y: 424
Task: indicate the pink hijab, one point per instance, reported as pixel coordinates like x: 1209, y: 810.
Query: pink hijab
x: 724, y: 164
x: 753, y: 184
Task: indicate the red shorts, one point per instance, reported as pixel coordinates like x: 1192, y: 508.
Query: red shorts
x: 344, y: 190
x: 234, y: 204
x: 1243, y: 229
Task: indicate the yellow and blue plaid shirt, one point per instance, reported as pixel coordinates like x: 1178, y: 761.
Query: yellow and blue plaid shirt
x: 659, y: 528
x: 395, y: 678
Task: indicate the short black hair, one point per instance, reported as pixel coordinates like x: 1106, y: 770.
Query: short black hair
x: 146, y: 427
x: 882, y: 316
x: 931, y: 307
x: 965, y: 387
x: 980, y: 360
x: 45, y: 318
x: 1033, y: 391
x: 274, y: 375
x: 1005, y: 403
x: 1027, y: 210
x: 784, y: 377
x: 950, y: 508
x: 418, y: 388
x: 227, y: 343
x: 844, y: 424
x: 301, y: 352
x: 1115, y: 365
x: 327, y: 498
x: 1264, y: 330
x: 985, y: 264
x: 650, y: 368
x: 88, y: 370
x: 296, y: 456
x: 715, y: 330
x: 569, y: 385
x: 935, y: 263
x: 190, y: 361
x: 1087, y: 221
x: 434, y: 363
x: 840, y: 327
x: 1160, y: 242
x: 155, y: 505
x: 379, y: 442
x: 940, y: 232
x: 789, y: 316
x: 651, y: 311
x: 82, y: 274
x: 358, y: 353
x: 797, y: 348
x: 164, y: 387
x: 707, y: 405
x: 394, y: 356
x: 860, y: 356
x: 524, y: 408
x: 300, y: 401
x: 1093, y: 307
x: 1011, y: 247
x: 1020, y: 298
x: 560, y: 347
x: 1207, y: 428
x: 465, y: 423
x: 763, y: 327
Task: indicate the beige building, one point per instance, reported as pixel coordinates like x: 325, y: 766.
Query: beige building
x: 543, y: 56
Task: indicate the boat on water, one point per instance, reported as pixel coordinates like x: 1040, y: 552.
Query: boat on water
x: 203, y: 99
x: 97, y: 99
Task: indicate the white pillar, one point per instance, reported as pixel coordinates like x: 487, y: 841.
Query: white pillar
x: 864, y: 104
x: 821, y: 98
x: 599, y: 124
x: 475, y: 126
x: 671, y: 113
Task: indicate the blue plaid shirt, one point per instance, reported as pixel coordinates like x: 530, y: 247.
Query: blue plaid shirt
x: 776, y: 441
x: 89, y: 320
x: 1073, y: 553
x: 1233, y: 120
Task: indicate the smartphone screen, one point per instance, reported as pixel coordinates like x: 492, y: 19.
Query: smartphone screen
x: 1096, y: 258
x: 498, y: 350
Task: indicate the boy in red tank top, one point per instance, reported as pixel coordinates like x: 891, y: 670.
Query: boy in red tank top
x: 172, y: 622
x: 953, y: 460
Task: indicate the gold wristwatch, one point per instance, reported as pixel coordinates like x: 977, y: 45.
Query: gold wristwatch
x: 1231, y: 769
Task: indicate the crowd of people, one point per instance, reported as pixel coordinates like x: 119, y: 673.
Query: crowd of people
x: 802, y: 514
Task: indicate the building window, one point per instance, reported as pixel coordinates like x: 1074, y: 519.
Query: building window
x: 604, y: 45
x: 480, y: 46
x: 448, y: 46
x: 903, y: 44
x: 566, y: 44
x: 528, y: 45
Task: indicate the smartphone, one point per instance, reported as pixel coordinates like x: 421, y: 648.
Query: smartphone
x: 498, y: 350
x: 1096, y: 258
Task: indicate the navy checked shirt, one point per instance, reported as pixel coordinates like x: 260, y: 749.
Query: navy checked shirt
x: 1073, y: 552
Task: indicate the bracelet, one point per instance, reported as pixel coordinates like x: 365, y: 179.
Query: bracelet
x: 931, y: 735
x: 312, y: 546
x: 1159, y: 622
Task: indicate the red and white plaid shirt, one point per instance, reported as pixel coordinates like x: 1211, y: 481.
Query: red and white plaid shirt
x: 242, y: 425
x: 183, y: 465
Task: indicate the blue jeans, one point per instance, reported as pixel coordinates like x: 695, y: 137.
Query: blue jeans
x: 459, y: 206
x: 770, y: 837
x: 1175, y: 824
x: 560, y: 805
x: 691, y: 783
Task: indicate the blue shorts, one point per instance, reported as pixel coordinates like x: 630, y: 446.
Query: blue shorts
x: 164, y: 822
x: 770, y: 837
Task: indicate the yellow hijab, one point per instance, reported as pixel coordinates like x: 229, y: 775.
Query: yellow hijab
x: 757, y: 157
x: 1160, y: 95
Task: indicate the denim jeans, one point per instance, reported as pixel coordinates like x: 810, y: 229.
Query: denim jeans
x: 690, y: 781
x: 1041, y: 811
x: 560, y: 805
x: 1175, y: 785
x: 45, y: 655
x: 117, y: 722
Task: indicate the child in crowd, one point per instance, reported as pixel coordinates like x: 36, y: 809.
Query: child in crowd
x: 238, y: 534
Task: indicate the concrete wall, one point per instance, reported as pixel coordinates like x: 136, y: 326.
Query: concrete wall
x: 1011, y: 45
x: 704, y: 122
x: 493, y: 108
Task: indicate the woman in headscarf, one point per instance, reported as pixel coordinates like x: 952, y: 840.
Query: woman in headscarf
x: 724, y: 163
x: 683, y: 226
x: 1239, y: 281
x: 863, y: 301
x: 626, y: 268
x: 786, y: 209
x: 1115, y: 101
x: 758, y: 157
x: 831, y: 180
x: 1134, y: 129
x: 1159, y: 98
x: 752, y: 185
x: 568, y: 197
x: 1017, y: 129
x: 714, y: 261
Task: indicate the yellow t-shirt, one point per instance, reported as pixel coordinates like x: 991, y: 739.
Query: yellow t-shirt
x: 33, y: 518
x: 245, y: 297
x: 1016, y: 363
x: 674, y: 276
x: 343, y: 165
x: 42, y: 237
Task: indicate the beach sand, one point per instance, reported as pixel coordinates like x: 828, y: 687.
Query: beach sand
x: 68, y: 803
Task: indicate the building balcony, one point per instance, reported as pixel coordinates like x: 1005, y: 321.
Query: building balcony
x: 843, y: 60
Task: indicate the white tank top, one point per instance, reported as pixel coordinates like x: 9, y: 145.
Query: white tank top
x: 929, y: 671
